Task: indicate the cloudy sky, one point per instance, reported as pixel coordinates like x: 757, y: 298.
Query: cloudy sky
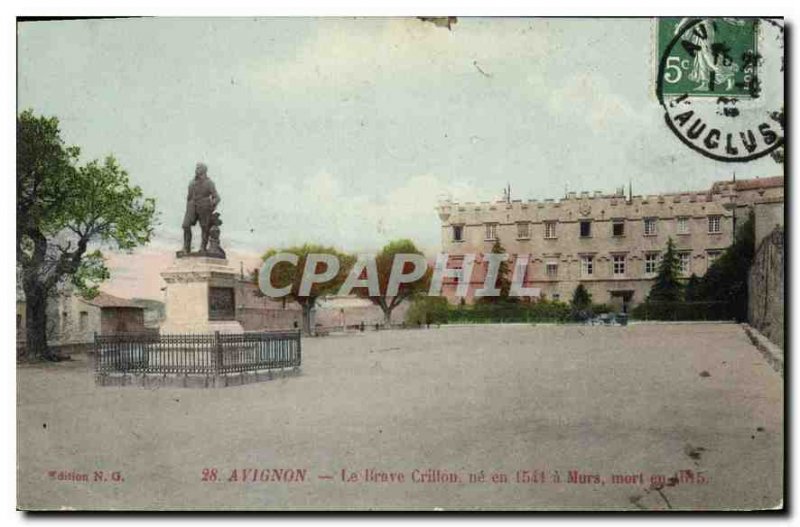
x: 347, y: 131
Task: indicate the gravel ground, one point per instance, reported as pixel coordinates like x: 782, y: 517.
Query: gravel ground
x: 621, y: 409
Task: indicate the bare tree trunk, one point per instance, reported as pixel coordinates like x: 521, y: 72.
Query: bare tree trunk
x: 36, y: 322
x: 387, y: 316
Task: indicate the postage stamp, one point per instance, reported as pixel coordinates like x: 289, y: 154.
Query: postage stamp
x: 719, y: 83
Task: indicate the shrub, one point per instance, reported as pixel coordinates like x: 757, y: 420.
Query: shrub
x: 427, y: 310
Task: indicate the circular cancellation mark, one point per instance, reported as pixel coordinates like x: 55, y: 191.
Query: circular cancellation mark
x: 720, y: 81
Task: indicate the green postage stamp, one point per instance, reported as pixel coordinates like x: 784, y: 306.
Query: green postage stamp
x: 720, y: 83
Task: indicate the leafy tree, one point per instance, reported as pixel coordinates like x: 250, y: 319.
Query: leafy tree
x: 667, y: 288
x: 503, y: 282
x: 726, y: 280
x: 581, y: 303
x: 427, y: 310
x: 62, y: 209
x: 581, y: 299
x: 383, y: 263
x: 691, y: 292
x: 288, y: 274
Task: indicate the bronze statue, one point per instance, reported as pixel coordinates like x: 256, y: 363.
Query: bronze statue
x: 201, y: 201
x: 214, y: 248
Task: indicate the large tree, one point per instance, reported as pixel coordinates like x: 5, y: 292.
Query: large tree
x: 384, y: 262
x: 503, y: 281
x: 581, y: 299
x: 286, y: 274
x: 667, y: 287
x: 726, y: 280
x: 64, y: 211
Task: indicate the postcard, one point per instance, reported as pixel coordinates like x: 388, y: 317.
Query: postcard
x: 400, y: 264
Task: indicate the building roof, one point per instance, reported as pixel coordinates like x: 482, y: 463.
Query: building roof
x: 754, y: 184
x: 105, y: 300
x: 750, y: 184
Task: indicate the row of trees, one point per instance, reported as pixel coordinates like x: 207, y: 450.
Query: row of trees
x: 725, y: 282
x: 285, y: 274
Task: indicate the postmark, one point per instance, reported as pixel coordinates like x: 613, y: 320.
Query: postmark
x: 720, y: 82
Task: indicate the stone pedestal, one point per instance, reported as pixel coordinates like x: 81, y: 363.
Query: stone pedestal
x: 200, y: 296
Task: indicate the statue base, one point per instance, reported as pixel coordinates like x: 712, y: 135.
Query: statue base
x: 201, y: 254
x: 200, y: 295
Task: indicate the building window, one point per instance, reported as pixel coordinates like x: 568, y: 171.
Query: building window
x: 649, y: 226
x: 523, y: 230
x: 458, y: 233
x: 618, y: 264
x: 712, y: 257
x: 587, y: 265
x: 556, y: 297
x: 683, y: 225
x: 552, y: 270
x: 83, y: 321
x: 714, y: 224
x: 618, y: 227
x: 684, y: 262
x: 549, y: 230
x: 491, y: 231
x: 651, y: 263
x: 586, y: 229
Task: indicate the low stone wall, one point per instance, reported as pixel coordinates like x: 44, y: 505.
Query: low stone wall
x: 766, y: 288
x: 193, y: 381
x: 772, y: 353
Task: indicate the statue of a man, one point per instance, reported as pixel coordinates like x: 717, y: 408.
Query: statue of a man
x: 200, y: 204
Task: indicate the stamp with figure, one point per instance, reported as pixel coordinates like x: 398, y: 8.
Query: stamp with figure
x: 721, y: 85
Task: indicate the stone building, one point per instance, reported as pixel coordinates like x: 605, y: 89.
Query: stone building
x: 611, y: 243
x: 74, y: 319
x: 256, y: 312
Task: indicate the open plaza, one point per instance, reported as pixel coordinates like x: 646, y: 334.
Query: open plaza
x: 648, y: 416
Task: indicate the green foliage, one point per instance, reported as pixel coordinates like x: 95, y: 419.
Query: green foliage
x: 726, y: 280
x: 541, y: 311
x: 44, y: 168
x: 427, y: 310
x: 503, y: 282
x: 62, y: 208
x: 691, y: 292
x: 90, y: 274
x: 721, y: 294
x: 383, y: 263
x: 285, y: 273
x: 667, y: 287
x: 581, y: 303
x: 601, y: 309
x: 682, y: 310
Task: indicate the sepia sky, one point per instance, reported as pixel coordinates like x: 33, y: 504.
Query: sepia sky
x: 346, y: 131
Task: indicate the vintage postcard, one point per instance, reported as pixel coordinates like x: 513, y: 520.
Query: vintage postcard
x: 412, y: 263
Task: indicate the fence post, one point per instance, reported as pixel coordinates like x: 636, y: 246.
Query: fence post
x: 218, y: 352
x: 96, y: 355
x: 299, y: 347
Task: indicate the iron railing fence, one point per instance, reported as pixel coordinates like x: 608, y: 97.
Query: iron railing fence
x: 196, y: 354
